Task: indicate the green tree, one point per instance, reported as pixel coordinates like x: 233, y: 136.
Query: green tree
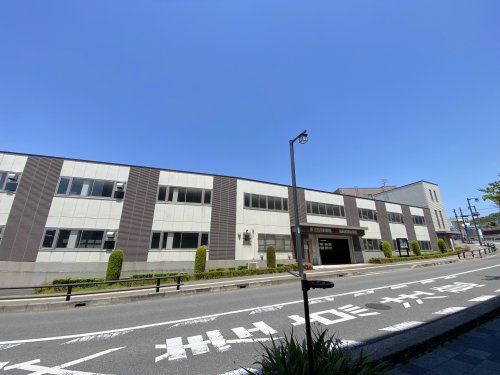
x: 271, y: 257
x: 386, y: 248
x: 492, y: 192
x: 200, y: 260
x: 415, y: 247
x: 115, y: 262
x: 442, y: 245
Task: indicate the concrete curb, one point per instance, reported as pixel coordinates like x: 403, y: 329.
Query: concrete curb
x: 413, y: 342
x: 192, y: 290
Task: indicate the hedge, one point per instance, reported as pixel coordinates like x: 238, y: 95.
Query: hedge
x: 415, y: 257
x: 271, y: 257
x: 442, y: 245
x: 200, y: 260
x: 415, y: 246
x: 386, y: 248
x: 115, y: 262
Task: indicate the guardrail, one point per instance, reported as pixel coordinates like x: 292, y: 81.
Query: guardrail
x: 69, y: 287
x: 490, y: 248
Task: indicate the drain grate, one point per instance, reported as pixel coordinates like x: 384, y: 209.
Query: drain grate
x: 378, y: 306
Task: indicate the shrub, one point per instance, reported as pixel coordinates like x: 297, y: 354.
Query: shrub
x: 442, y: 245
x: 307, y: 266
x: 413, y: 257
x: 271, y: 257
x: 69, y: 280
x: 386, y: 248
x: 415, y: 247
x: 289, y: 356
x: 242, y: 267
x: 200, y: 260
x: 114, y: 265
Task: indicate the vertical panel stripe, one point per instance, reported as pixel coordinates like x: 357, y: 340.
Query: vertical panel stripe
x: 383, y: 221
x: 410, y: 228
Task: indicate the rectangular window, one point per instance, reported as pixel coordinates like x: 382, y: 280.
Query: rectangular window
x: 207, y: 198
x: 435, y: 196
x: 331, y: 209
x: 395, y: 217
x: 3, y: 178
x: 317, y: 208
x: 280, y: 242
x: 437, y: 218
x: 68, y: 239
x: 162, y: 193
x: 102, y: 188
x: 270, y: 202
x: 164, y: 240
x: 371, y: 244
x: 285, y: 204
x: 430, y: 193
x: 91, y: 239
x: 189, y: 240
x: 155, y: 240
x: 80, y: 186
x: 247, y: 200
x: 171, y: 194
x: 262, y: 201
x: 278, y: 204
x: 322, y: 209
x: 176, y: 244
x: 62, y: 188
x: 48, y: 239
x: 255, y: 201
x: 194, y: 195
x: 425, y: 245
x: 442, y: 219
x: 366, y: 214
x: 418, y: 220
x: 204, y: 239
x: 181, y: 195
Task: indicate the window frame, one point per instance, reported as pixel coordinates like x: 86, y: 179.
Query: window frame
x: 369, y: 212
x: 374, y: 241
x: 163, y: 240
x: 311, y: 205
x: 392, y: 215
x: 115, y: 190
x: 262, y: 202
x: 270, y: 239
x: 5, y: 182
x: 416, y: 218
x: 172, y: 195
x: 79, y: 235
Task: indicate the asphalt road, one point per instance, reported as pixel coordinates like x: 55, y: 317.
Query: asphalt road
x: 219, y: 333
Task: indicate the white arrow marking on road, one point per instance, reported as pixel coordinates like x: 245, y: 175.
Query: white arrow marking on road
x: 449, y: 310
x: 400, y: 326
x: 233, y: 312
x: 481, y: 298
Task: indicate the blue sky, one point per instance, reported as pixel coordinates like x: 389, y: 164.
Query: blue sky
x: 387, y: 89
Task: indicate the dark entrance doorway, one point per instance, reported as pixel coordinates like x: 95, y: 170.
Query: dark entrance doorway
x: 334, y: 251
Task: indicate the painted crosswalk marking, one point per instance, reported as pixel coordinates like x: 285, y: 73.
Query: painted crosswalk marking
x: 481, y: 298
x: 401, y: 326
x: 449, y: 310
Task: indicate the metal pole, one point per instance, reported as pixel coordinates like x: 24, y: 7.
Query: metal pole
x: 465, y: 226
x: 458, y: 225
x: 474, y: 221
x: 298, y: 249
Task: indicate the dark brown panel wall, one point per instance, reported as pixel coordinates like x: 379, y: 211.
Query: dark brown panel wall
x: 431, y: 229
x: 410, y: 229
x: 138, y: 210
x: 351, y: 211
x: 223, y: 221
x: 301, y: 199
x: 30, y: 209
x: 383, y: 221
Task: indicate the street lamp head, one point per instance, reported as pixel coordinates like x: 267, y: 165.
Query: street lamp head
x: 303, y: 137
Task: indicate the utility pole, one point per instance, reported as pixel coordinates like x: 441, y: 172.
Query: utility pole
x: 458, y: 225
x: 463, y: 221
x: 474, y: 220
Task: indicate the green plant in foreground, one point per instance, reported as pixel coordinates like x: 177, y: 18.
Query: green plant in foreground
x: 415, y: 247
x: 200, y: 260
x: 442, y: 245
x: 386, y: 248
x: 114, y: 265
x: 289, y: 357
x: 271, y: 257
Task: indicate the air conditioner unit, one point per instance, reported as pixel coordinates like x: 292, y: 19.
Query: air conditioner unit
x: 12, y: 176
x: 110, y: 235
x: 120, y: 186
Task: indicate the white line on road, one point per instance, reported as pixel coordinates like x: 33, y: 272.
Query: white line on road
x: 2, y: 364
x: 481, y: 298
x: 233, y: 312
x: 449, y: 310
x: 400, y: 326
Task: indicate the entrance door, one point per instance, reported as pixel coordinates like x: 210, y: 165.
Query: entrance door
x: 334, y: 251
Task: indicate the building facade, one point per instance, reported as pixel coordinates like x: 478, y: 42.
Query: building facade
x: 64, y: 216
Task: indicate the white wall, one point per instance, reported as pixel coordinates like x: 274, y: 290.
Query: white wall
x: 98, y: 171
x: 57, y: 256
x: 365, y: 203
x: 193, y: 180
x: 422, y: 233
x: 9, y: 163
x: 391, y: 207
x: 416, y: 211
x: 373, y: 230
x: 320, y: 197
x: 259, y: 221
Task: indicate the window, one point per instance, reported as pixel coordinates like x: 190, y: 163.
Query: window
x: 395, y: 217
x: 91, y: 239
x: 430, y: 193
x: 264, y: 202
x: 2, y: 229
x: 62, y: 188
x: 178, y: 240
x: 366, y: 214
x: 425, y: 245
x: 102, y: 188
x: 80, y: 186
x: 418, y: 220
x: 437, y: 218
x: 9, y: 181
x: 325, y: 209
x: 442, y: 220
x: 371, y: 244
x: 184, y: 195
x: 435, y: 196
x: 67, y: 239
x: 281, y: 242
x: 48, y: 239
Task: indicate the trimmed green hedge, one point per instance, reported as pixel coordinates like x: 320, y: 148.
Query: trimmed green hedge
x: 415, y: 257
x: 386, y: 248
x: 442, y: 245
x: 271, y: 257
x: 115, y: 263
x: 200, y: 259
x: 415, y: 246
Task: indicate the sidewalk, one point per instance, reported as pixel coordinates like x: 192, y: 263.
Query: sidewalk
x: 475, y: 352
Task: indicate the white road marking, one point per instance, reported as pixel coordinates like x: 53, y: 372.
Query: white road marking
x: 498, y: 290
x: 400, y: 326
x: 364, y: 293
x: 351, y: 308
x: 457, y: 287
x: 399, y: 286
x: 194, y: 321
x: 266, y: 309
x: 415, y: 296
x: 435, y: 297
x: 103, y: 336
x: 350, y: 343
x: 427, y: 281
x: 218, y: 341
x: 233, y: 312
x: 449, y: 277
x: 481, y: 298
x: 345, y: 307
x: 358, y: 311
x: 7, y: 346
x: 449, y: 310
x: 240, y: 371
x: 370, y: 313
x: 198, y: 346
x: 2, y: 364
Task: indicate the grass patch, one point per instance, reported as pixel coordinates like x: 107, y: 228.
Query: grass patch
x: 397, y: 259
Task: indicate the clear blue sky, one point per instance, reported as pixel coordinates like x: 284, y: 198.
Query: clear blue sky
x: 402, y: 90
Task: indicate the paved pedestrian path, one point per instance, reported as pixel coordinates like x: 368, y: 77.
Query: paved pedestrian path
x: 475, y: 352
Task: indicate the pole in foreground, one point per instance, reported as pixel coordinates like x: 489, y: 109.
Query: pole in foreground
x: 474, y: 219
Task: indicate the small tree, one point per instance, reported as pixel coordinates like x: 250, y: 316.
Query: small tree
x: 415, y: 247
x: 115, y: 262
x: 442, y: 245
x: 200, y: 260
x: 271, y: 257
x: 386, y: 248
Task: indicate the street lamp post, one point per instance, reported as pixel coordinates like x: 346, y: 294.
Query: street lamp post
x: 474, y: 219
x: 305, y: 284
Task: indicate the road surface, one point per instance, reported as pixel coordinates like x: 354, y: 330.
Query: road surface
x: 223, y: 332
